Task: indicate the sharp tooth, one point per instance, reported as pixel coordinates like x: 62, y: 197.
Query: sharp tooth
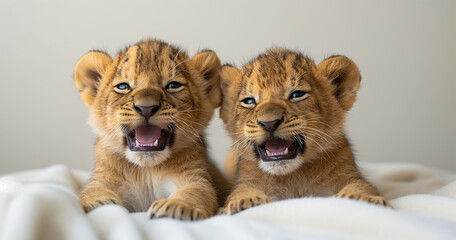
x: 268, y: 153
x: 156, y: 143
x: 285, y: 152
x: 137, y: 143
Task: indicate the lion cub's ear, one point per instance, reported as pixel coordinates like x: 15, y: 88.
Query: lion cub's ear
x: 344, y: 76
x: 208, y: 64
x: 88, y: 72
x: 229, y: 75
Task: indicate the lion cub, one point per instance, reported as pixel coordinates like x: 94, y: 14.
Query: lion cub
x: 149, y: 107
x: 285, y: 116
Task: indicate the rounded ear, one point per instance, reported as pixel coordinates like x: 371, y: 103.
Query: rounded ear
x: 208, y: 64
x: 88, y: 72
x: 345, y: 78
x: 228, y: 75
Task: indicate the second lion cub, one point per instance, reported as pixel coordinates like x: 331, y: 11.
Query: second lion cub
x: 285, y: 116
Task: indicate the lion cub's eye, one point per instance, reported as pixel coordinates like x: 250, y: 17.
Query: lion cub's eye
x: 248, y: 102
x: 174, y: 86
x: 122, y: 87
x: 297, y: 95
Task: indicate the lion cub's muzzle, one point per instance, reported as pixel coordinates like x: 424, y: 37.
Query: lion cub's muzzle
x: 275, y: 148
x: 148, y: 137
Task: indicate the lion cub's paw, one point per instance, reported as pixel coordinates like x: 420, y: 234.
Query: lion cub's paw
x: 377, y: 200
x: 91, y: 206
x: 238, y: 205
x: 176, y: 209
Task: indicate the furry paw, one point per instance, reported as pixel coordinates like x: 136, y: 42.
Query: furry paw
x: 237, y: 205
x: 91, y: 206
x: 377, y: 200
x: 176, y: 209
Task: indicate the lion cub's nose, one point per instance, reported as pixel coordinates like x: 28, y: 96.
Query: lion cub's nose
x: 146, y: 111
x: 270, y: 126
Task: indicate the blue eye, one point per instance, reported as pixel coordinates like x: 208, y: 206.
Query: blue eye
x: 174, y: 85
x: 123, y: 86
x: 297, y: 94
x: 248, y: 101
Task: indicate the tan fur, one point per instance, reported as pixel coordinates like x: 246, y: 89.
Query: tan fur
x: 178, y: 182
x: 326, y: 165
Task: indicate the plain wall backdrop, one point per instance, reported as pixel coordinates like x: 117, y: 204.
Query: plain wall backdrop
x: 406, y: 51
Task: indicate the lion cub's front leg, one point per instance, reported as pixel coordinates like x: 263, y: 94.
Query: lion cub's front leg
x: 362, y: 191
x: 95, y: 195
x: 195, y: 201
x: 177, y: 209
x: 244, y: 197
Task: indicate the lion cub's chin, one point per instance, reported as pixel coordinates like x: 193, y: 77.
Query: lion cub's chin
x: 147, y: 159
x: 281, y: 167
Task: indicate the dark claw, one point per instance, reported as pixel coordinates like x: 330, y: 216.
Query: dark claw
x: 174, y: 213
x: 232, y: 209
x: 241, y: 204
x: 86, y: 209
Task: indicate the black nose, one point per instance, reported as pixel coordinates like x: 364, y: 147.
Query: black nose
x: 270, y: 126
x: 146, y: 111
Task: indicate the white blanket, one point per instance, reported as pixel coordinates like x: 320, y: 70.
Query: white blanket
x: 43, y: 204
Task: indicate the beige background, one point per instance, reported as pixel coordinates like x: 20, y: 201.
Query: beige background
x: 406, y: 51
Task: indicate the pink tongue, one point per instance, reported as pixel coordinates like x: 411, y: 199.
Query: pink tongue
x: 147, y: 133
x: 277, y: 145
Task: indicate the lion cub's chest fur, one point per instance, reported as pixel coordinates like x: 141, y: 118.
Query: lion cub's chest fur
x: 277, y: 194
x: 142, y: 188
x: 302, y: 183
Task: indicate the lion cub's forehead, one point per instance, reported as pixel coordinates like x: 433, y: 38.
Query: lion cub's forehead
x: 150, y: 57
x: 277, y: 69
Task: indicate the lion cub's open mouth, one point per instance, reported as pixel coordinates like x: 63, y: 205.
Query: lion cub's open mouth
x: 276, y: 149
x: 148, y: 138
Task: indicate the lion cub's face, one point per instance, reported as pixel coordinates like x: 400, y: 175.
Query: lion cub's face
x: 283, y: 110
x: 151, y: 100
